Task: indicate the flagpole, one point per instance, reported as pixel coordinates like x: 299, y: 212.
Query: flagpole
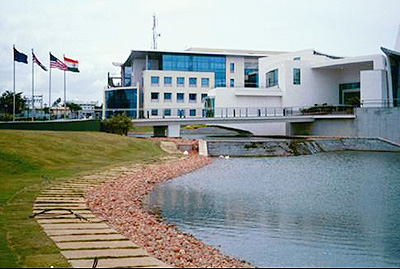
x: 33, y: 86
x: 13, y: 82
x: 49, y: 87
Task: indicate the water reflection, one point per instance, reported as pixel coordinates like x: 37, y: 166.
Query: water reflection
x: 334, y: 209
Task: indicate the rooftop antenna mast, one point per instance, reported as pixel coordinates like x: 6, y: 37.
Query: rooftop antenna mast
x: 155, y: 34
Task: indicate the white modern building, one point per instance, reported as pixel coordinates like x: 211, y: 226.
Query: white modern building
x: 197, y: 81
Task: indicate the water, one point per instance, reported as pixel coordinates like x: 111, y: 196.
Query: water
x: 323, y: 210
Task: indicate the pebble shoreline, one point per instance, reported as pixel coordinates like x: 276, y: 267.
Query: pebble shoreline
x: 119, y: 202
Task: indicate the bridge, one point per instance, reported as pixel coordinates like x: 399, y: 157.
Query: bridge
x: 173, y: 122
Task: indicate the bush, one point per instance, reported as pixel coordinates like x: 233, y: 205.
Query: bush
x: 6, y: 117
x: 117, y: 125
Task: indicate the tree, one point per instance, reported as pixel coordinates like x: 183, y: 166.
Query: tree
x: 6, y: 103
x: 117, y: 125
x: 73, y: 107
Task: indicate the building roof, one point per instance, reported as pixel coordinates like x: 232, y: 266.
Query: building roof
x: 202, y: 51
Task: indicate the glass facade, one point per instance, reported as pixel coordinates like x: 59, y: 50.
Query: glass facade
x: 197, y: 63
x: 119, y: 100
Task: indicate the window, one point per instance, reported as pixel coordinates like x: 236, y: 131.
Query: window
x: 167, y: 112
x: 232, y: 67
x: 167, y: 97
x: 192, y: 97
x: 203, y: 96
x: 155, y: 80
x: 154, y: 96
x: 167, y: 81
x: 205, y: 82
x: 180, y: 97
x: 180, y: 81
x: 232, y: 82
x: 192, y: 112
x: 154, y: 112
x: 272, y: 78
x: 296, y: 59
x: 192, y: 82
x: 296, y: 76
x: 181, y: 113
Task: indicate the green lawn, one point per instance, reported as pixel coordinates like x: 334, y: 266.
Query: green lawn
x: 28, y: 160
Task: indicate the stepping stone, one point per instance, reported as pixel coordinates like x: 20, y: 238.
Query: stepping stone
x: 65, y: 212
x: 83, y: 237
x: 65, y: 221
x: 80, y: 232
x: 81, y: 225
x: 66, y: 206
x: 96, y: 244
x: 121, y: 262
x: 92, y: 253
x: 64, y: 216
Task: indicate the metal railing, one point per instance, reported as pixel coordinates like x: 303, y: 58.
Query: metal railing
x: 380, y: 102
x: 218, y: 112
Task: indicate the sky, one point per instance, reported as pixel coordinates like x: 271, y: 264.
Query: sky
x: 99, y: 32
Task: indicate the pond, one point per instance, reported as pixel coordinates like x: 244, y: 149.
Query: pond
x: 337, y: 209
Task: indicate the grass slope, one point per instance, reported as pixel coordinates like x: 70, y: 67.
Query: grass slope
x: 28, y: 160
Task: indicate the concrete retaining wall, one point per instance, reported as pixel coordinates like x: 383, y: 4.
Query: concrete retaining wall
x: 369, y: 122
x: 296, y: 147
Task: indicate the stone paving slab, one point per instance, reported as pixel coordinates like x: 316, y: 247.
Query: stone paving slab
x: 92, y: 253
x: 95, y: 244
x: 83, y: 237
x: 65, y: 212
x: 70, y: 220
x: 69, y: 226
x: 64, y: 216
x: 80, y: 231
x: 121, y: 262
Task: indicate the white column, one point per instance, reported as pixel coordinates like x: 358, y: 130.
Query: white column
x: 174, y: 130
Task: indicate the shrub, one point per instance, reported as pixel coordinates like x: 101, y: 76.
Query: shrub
x: 117, y: 125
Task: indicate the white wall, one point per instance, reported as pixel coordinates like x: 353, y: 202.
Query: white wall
x: 373, y: 87
x: 148, y: 88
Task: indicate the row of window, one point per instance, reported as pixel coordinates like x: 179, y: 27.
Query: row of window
x: 180, y: 97
x: 272, y: 77
x: 167, y: 112
x: 180, y: 81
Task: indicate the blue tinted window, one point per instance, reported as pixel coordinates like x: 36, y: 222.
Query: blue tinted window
x: 197, y: 63
x: 154, y: 96
x: 232, y: 82
x: 232, y: 67
x: 192, y: 112
x: 154, y: 80
x: 167, y: 112
x: 296, y: 76
x: 180, y: 81
x: 251, y: 74
x: 205, y: 82
x: 192, y: 82
x: 180, y: 97
x: 167, y: 97
x: 121, y: 99
x: 272, y: 78
x: 203, y: 96
x: 167, y: 81
x: 127, y: 75
x: 154, y: 112
x: 192, y: 97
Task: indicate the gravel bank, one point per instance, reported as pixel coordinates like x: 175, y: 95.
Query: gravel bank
x: 119, y: 202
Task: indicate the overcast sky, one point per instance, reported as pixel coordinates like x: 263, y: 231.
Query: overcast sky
x: 97, y: 33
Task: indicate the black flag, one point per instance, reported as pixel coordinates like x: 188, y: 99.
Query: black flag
x: 20, y: 57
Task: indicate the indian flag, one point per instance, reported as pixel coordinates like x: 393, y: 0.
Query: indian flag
x: 71, y: 64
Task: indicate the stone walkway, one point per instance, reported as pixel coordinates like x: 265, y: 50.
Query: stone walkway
x: 83, y: 238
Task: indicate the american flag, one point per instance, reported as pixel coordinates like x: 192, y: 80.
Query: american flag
x: 35, y: 60
x: 56, y: 63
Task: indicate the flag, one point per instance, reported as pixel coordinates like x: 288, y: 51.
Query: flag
x: 56, y: 63
x: 20, y: 57
x: 35, y: 60
x: 71, y: 64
